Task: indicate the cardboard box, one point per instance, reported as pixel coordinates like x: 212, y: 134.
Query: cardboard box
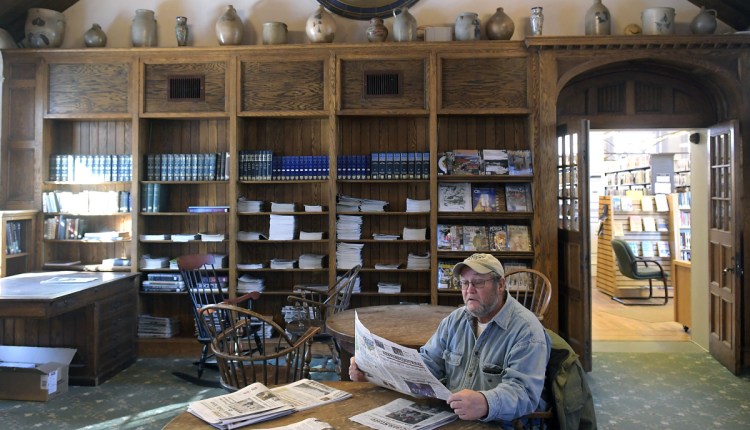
x: 34, y: 373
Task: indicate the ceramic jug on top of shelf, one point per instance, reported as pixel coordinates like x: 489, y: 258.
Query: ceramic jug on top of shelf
x: 404, y: 25
x: 704, y: 22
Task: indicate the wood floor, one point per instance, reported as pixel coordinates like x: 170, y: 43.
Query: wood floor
x: 606, y: 326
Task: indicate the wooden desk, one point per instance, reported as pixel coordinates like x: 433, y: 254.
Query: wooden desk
x: 365, y: 396
x: 408, y: 325
x: 98, y: 318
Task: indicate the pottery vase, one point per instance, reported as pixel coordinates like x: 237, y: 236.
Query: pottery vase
x: 143, y: 28
x: 274, y: 33
x: 404, y: 25
x: 229, y: 27
x: 704, y: 22
x: 320, y: 26
x: 467, y: 26
x: 181, y: 31
x: 377, y: 32
x: 598, y: 22
x: 95, y: 37
x: 45, y: 28
x: 500, y: 26
x: 537, y: 20
x: 658, y: 20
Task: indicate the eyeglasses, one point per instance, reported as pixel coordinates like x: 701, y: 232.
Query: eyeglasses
x: 476, y: 283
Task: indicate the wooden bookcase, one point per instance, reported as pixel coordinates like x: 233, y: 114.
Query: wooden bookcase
x: 617, y: 225
x: 19, y: 242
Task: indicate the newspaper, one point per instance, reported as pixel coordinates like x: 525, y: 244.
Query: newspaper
x: 256, y: 403
x: 308, y: 424
x: 393, y: 366
x: 402, y: 414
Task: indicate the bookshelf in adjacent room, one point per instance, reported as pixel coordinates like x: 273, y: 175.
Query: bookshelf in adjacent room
x: 20, y: 243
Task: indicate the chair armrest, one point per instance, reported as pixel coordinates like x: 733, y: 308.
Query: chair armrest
x: 243, y: 298
x: 646, y: 261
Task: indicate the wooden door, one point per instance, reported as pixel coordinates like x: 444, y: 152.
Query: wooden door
x: 724, y: 253
x: 574, y: 282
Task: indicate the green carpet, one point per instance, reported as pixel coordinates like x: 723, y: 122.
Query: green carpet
x: 631, y: 391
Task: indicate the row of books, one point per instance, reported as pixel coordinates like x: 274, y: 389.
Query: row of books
x: 684, y: 200
x: 150, y: 326
x: 465, y: 197
x: 486, y: 162
x: 154, y: 197
x: 656, y: 203
x: 14, y: 237
x: 446, y: 280
x: 86, y: 202
x: 163, y: 282
x: 629, y: 178
x: 650, y: 248
x: 384, y: 165
x: 188, y: 167
x: 500, y: 237
x: 90, y: 168
x: 640, y: 223
x: 182, y: 237
x: 262, y: 165
x: 61, y: 227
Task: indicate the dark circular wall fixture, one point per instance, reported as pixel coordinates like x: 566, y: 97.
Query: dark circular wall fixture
x: 364, y: 9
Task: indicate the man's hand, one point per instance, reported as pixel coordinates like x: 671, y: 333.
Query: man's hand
x: 355, y: 374
x: 469, y: 405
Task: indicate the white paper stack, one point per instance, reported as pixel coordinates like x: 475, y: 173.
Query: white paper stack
x: 249, y: 206
x: 148, y: 237
x: 415, y: 233
x: 389, y: 287
x: 313, y: 208
x: 295, y: 313
x: 251, y: 235
x: 267, y: 328
x: 417, y: 205
x: 282, y: 227
x: 382, y: 266
x: 157, y: 327
x: 310, y: 235
x: 353, y: 204
x: 221, y: 261
x: 250, y: 266
x: 184, y: 237
x: 280, y: 263
x: 418, y: 262
x: 248, y: 284
x: 348, y: 255
x: 149, y: 262
x: 349, y: 227
x: 311, y: 261
x: 380, y: 236
x: 282, y: 207
x: 209, y: 237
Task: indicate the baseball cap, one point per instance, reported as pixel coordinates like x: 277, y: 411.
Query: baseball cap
x: 480, y: 263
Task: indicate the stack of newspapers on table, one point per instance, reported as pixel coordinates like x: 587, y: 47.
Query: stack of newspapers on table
x: 256, y: 403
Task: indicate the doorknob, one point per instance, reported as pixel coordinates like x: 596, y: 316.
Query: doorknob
x: 728, y: 269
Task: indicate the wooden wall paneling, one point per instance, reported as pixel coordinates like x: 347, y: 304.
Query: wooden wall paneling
x: 296, y: 84
x: 156, y: 85
x: 411, y: 70
x: 106, y: 89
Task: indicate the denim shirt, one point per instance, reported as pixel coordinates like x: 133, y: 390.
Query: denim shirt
x: 506, y: 363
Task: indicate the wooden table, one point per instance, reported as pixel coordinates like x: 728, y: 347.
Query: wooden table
x: 98, y: 318
x: 365, y: 396
x: 407, y: 325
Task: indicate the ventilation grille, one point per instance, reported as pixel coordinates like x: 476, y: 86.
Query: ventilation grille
x: 382, y: 84
x: 186, y: 88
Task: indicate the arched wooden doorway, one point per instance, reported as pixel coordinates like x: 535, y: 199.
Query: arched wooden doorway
x: 639, y: 85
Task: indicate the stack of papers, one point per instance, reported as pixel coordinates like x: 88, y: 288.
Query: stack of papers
x: 280, y: 263
x: 147, y: 237
x: 106, y: 235
x: 418, y: 262
x: 349, y: 227
x: 251, y: 235
x: 256, y: 403
x: 379, y: 236
x: 157, y: 327
x: 415, y: 233
x: 250, y: 266
x: 381, y: 266
x: 313, y: 208
x: 208, y: 237
x: 282, y: 207
x: 149, y: 262
x: 417, y: 205
x: 308, y: 235
x: 311, y: 261
x: 389, y: 287
x: 348, y: 255
x: 353, y: 204
x: 248, y: 284
x: 282, y: 227
x: 403, y: 414
x: 184, y: 237
x: 249, y: 206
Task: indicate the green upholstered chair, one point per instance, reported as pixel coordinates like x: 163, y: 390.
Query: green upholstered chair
x: 639, y: 268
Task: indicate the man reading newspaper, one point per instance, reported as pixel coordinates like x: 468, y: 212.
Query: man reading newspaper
x: 491, y: 354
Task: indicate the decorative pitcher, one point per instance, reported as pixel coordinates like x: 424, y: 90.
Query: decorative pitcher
x: 597, y: 20
x: 45, y: 28
x: 658, y: 20
x: 468, y: 26
x: 143, y: 28
x: 404, y: 25
x: 229, y: 27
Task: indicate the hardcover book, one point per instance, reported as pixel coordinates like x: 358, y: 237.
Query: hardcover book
x: 662, y: 224
x: 636, y: 224
x: 647, y: 203
x: 454, y: 197
x: 519, y: 162
x: 649, y: 223
x: 647, y: 249
x: 457, y: 238
x: 519, y: 238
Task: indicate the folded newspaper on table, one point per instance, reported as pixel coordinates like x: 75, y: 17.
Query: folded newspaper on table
x: 308, y: 424
x: 402, y: 414
x: 393, y: 366
x: 256, y: 403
